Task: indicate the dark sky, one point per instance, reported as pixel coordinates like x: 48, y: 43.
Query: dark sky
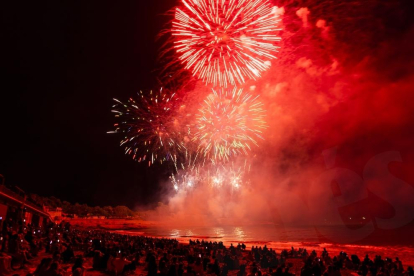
x: 65, y: 61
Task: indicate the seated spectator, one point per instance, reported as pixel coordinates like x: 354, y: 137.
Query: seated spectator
x: 53, y: 270
x: 242, y: 271
x: 68, y: 254
x: 119, y: 263
x: 5, y: 264
x: 410, y: 271
x: 43, y: 266
x: 77, y: 268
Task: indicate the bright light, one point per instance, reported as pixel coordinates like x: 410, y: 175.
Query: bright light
x: 229, y: 122
x: 225, y: 41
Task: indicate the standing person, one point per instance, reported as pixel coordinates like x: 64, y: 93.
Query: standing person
x: 152, y: 264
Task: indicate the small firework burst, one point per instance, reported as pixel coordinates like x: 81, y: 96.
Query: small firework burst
x: 146, y: 124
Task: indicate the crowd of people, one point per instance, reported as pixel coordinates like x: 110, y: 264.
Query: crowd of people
x: 62, y: 250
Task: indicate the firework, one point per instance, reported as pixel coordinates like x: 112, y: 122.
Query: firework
x: 185, y: 179
x: 229, y: 122
x: 149, y: 132
x: 228, y: 176
x: 226, y: 41
x: 224, y: 176
x: 186, y: 168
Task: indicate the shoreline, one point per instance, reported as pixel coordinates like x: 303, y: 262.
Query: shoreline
x: 141, y: 228
x: 358, y: 249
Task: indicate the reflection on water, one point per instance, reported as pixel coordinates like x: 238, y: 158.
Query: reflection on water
x: 175, y: 233
x: 219, y: 232
x: 238, y: 231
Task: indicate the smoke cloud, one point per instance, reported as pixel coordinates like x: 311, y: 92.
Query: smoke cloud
x: 340, y: 109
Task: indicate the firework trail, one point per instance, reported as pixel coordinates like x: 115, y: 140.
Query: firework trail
x: 226, y: 41
x: 186, y: 169
x: 229, y: 123
x: 147, y: 125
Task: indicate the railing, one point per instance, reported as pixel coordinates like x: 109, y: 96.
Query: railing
x: 13, y: 196
x: 11, y: 193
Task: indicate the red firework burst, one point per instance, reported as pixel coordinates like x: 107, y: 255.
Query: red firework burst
x: 226, y: 41
x: 229, y: 123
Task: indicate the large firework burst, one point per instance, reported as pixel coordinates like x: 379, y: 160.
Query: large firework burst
x: 147, y: 125
x: 226, y: 41
x: 229, y: 122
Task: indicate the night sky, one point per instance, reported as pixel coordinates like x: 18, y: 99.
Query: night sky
x: 65, y: 61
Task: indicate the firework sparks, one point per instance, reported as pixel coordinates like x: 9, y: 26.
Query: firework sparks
x: 226, y: 41
x: 147, y: 126
x: 230, y: 122
x: 187, y: 172
x: 221, y: 176
x: 185, y: 179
